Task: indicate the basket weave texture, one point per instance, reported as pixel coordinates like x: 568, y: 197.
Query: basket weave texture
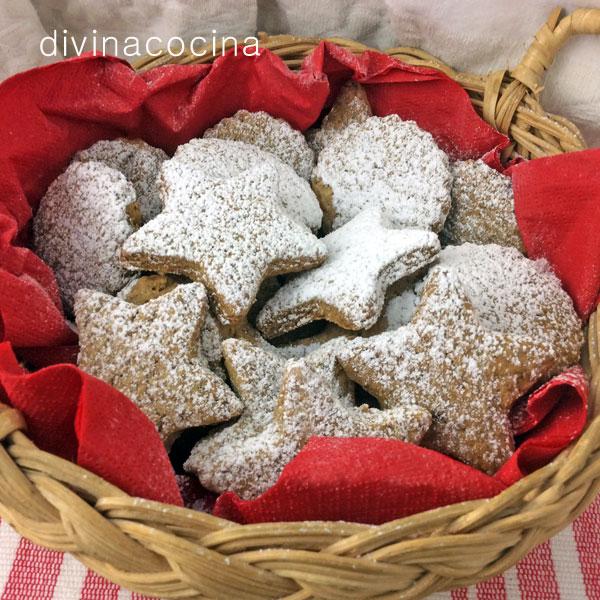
x: 171, y: 552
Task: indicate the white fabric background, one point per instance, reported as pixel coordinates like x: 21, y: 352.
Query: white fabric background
x: 477, y: 35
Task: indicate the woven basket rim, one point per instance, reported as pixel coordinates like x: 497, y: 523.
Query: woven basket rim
x: 173, y: 552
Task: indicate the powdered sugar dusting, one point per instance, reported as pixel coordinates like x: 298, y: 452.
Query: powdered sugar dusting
x: 229, y: 235
x: 206, y: 161
x: 148, y: 287
x: 241, y: 456
x: 285, y: 403
x: 317, y: 399
x: 364, y: 257
x: 482, y: 207
x: 515, y: 295
x: 150, y: 353
x: 399, y: 308
x: 450, y: 363
x: 350, y: 106
x: 138, y: 161
x: 269, y: 134
x: 80, y: 226
x: 387, y: 163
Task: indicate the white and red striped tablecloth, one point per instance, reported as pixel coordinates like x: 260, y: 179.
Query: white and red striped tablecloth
x: 565, y: 568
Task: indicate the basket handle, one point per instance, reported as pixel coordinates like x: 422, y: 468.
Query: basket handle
x: 551, y: 37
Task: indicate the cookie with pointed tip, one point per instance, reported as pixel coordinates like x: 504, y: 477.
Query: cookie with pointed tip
x: 364, y: 257
x: 148, y: 287
x: 351, y: 106
x: 387, y: 163
x: 316, y: 399
x: 230, y: 236
x: 84, y: 218
x: 401, y: 302
x: 285, y: 402
x: 140, y: 164
x: 270, y: 134
x: 150, y: 353
x: 247, y: 456
x: 483, y: 207
x: 202, y: 162
x: 466, y: 375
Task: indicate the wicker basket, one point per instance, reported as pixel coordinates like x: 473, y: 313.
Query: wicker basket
x: 170, y: 552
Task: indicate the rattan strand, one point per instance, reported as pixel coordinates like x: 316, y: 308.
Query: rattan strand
x: 171, y: 552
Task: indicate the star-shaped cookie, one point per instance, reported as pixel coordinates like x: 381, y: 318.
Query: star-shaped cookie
x: 316, y: 399
x: 229, y: 235
x: 150, y: 353
x: 364, y: 258
x: 148, y: 287
x: 447, y: 361
x: 285, y: 402
x: 247, y: 456
x: 350, y: 106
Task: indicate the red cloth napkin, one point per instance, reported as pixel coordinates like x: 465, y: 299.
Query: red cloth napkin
x: 78, y: 417
x: 51, y: 112
x: 557, y: 204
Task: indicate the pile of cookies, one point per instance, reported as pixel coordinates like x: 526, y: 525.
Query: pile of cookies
x: 269, y: 286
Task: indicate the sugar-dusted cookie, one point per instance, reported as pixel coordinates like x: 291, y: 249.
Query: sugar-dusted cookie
x: 315, y: 399
x: 84, y: 218
x: 148, y: 287
x: 270, y: 134
x: 350, y: 106
x: 285, y: 403
x: 246, y: 456
x: 387, y: 163
x: 364, y: 257
x: 230, y: 236
x: 150, y: 353
x: 138, y: 161
x: 482, y: 207
x: 201, y: 162
x: 447, y: 361
x: 518, y: 296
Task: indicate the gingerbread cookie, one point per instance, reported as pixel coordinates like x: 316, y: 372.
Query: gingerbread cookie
x: 270, y: 134
x: 143, y: 289
x: 317, y: 399
x: 150, y: 353
x: 234, y: 457
x: 230, y: 236
x: 386, y: 163
x: 285, y: 403
x: 82, y: 221
x: 202, y: 162
x: 138, y: 161
x: 518, y: 296
x: 350, y: 106
x: 364, y: 257
x: 448, y: 362
x: 482, y: 207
